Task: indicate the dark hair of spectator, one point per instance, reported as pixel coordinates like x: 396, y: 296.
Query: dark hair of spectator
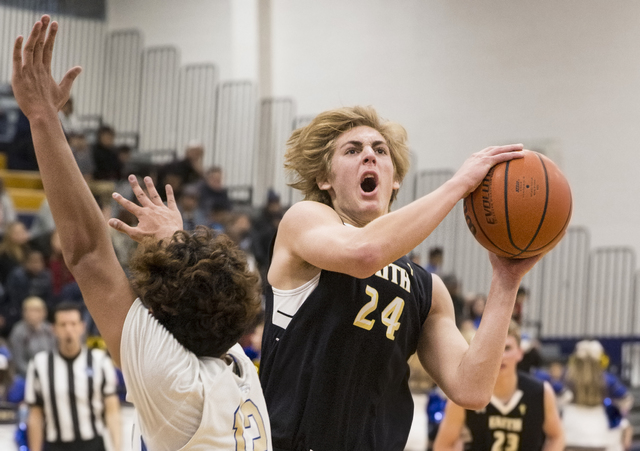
x: 435, y: 252
x: 214, y: 170
x: 199, y: 287
x: 522, y: 291
x: 106, y: 129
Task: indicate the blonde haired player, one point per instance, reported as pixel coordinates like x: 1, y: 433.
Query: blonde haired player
x: 192, y: 387
x: 346, y: 308
x: 521, y: 416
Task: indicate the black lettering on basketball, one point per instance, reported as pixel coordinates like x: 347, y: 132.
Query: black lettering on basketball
x: 487, y: 201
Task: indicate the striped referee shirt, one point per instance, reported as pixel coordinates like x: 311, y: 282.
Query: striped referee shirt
x: 71, y: 392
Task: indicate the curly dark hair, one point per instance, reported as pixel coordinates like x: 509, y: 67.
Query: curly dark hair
x: 199, y: 287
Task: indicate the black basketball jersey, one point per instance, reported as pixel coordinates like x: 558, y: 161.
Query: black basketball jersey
x: 516, y: 426
x: 336, y: 378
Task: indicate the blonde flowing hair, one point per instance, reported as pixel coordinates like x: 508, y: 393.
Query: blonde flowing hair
x: 585, y: 375
x: 310, y: 148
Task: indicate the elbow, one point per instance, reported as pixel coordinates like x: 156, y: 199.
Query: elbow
x: 473, y: 401
x: 367, y: 260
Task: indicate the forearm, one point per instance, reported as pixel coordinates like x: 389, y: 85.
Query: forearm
x: 35, y: 429
x: 78, y: 219
x: 553, y: 444
x: 481, y: 363
x: 112, y: 419
x: 416, y: 221
x: 440, y: 445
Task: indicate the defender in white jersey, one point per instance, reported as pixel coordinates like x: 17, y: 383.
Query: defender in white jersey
x: 192, y: 386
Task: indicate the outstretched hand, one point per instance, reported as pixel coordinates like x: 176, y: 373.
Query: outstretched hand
x: 476, y: 167
x: 155, y: 219
x: 35, y: 90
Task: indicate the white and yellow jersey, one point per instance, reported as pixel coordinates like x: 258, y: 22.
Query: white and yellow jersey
x: 188, y: 403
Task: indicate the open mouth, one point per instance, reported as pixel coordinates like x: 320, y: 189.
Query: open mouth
x: 369, y: 183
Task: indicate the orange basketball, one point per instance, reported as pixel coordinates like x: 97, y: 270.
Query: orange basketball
x: 521, y: 208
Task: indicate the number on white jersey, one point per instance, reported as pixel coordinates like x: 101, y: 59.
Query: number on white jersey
x: 249, y: 428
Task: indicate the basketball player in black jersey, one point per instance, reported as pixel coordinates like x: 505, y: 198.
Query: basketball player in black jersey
x: 345, y: 308
x: 522, y: 414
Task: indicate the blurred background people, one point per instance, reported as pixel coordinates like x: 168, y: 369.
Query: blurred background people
x: 32, y: 334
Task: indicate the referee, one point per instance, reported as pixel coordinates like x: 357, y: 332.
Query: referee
x: 70, y: 391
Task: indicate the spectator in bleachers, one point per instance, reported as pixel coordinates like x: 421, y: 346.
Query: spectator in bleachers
x: 453, y: 286
x: 7, y: 209
x: 123, y: 245
x: 214, y: 196
x: 124, y: 157
x: 20, y: 153
x: 105, y: 156
x: 521, y: 298
x: 251, y: 341
x: 69, y: 120
x: 32, y: 334
x: 436, y: 257
x: 477, y: 309
x: 31, y: 278
x: 82, y: 153
x: 182, y: 172
x: 12, y: 249
x: 238, y: 228
x: 415, y: 258
x: 43, y: 222
x: 192, y: 214
x: 264, y: 229
x: 60, y: 274
x: 11, y: 385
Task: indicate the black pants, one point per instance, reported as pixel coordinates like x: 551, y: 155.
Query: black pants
x: 96, y: 444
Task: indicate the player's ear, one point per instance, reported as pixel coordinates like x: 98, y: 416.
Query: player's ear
x: 396, y: 185
x: 323, y: 183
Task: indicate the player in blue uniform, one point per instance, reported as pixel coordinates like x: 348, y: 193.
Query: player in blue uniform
x: 347, y: 309
x: 522, y: 414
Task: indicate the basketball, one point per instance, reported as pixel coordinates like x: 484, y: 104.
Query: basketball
x: 521, y: 208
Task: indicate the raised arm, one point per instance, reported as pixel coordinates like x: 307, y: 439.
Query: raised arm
x: 83, y: 232
x: 468, y: 373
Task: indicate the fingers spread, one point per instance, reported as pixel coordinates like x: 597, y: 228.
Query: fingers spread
x: 153, y: 193
x: 48, y: 46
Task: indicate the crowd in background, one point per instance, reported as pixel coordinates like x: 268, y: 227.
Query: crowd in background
x: 34, y: 280
x: 594, y: 403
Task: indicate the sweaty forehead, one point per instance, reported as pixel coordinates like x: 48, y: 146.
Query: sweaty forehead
x: 362, y: 134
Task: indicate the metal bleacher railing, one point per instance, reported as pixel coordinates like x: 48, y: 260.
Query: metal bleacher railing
x: 158, y: 106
